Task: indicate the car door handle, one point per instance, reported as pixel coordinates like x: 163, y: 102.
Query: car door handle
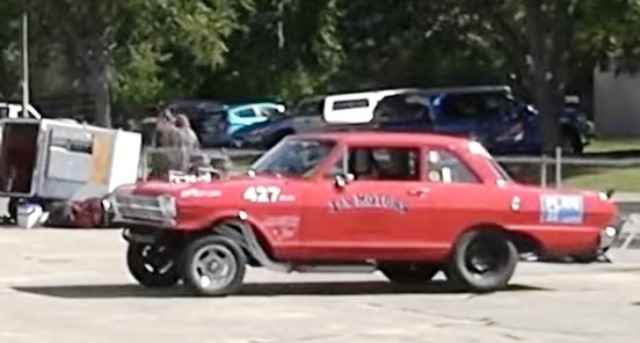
x: 420, y: 192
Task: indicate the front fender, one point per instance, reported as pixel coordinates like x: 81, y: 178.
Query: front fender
x: 208, y: 222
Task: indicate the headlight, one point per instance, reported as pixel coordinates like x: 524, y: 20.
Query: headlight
x: 167, y: 205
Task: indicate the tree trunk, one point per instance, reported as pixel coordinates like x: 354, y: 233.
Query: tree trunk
x: 99, y: 82
x: 549, y: 34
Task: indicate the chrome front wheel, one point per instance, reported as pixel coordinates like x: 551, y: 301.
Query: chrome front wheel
x: 214, y: 266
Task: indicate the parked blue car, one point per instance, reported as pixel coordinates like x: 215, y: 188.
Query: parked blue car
x: 490, y: 114
x: 305, y: 116
x: 215, y: 122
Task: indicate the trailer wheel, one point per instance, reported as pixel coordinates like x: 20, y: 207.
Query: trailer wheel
x: 12, y: 209
x: 214, y: 266
x: 153, y: 266
x: 482, y: 261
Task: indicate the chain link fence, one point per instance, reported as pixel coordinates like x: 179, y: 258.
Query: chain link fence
x: 547, y: 171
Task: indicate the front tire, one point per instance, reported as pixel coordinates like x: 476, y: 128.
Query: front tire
x: 153, y: 266
x: 482, y: 261
x: 409, y: 274
x: 214, y: 266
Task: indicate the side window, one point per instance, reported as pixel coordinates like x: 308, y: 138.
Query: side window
x: 248, y: 113
x: 468, y: 106
x: 350, y: 104
x: 384, y: 164
x: 4, y: 112
x: 445, y: 167
x: 267, y: 112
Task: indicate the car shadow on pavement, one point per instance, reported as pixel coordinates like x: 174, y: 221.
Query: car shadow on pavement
x: 255, y: 289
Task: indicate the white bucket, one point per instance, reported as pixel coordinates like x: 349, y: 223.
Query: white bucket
x: 29, y: 215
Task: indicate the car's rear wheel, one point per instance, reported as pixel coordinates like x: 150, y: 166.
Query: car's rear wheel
x: 214, y: 266
x: 409, y: 273
x: 482, y: 261
x: 153, y: 266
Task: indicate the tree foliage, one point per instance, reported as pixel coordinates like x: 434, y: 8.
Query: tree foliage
x: 136, y: 52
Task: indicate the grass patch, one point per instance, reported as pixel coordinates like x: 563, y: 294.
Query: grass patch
x: 620, y: 179
x: 606, y: 145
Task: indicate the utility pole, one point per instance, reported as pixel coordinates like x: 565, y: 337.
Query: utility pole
x: 25, y: 64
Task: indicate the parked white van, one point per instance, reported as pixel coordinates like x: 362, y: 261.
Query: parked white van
x: 355, y: 108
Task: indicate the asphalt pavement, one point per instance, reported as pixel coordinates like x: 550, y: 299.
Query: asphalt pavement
x: 71, y: 286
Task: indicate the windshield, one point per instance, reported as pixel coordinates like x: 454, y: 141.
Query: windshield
x: 294, y: 157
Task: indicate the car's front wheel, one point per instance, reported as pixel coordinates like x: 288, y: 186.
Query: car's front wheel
x: 214, y: 266
x: 409, y: 273
x: 482, y: 261
x: 153, y: 266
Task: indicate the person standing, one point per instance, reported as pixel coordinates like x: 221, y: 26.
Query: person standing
x: 169, y: 143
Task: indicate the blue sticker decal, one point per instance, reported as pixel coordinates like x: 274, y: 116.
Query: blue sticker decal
x: 562, y: 209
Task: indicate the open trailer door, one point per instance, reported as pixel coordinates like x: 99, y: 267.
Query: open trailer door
x: 19, y: 157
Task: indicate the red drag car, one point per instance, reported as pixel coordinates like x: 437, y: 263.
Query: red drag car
x: 408, y: 205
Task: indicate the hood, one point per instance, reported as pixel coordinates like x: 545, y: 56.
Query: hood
x: 210, y: 189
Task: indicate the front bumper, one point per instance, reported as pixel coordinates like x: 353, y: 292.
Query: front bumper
x: 141, y: 211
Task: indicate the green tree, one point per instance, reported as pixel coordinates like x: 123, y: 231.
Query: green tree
x: 10, y: 35
x: 288, y: 48
x: 542, y: 39
x: 141, y: 50
x: 413, y: 43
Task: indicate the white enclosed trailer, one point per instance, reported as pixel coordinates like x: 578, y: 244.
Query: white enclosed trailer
x: 52, y: 160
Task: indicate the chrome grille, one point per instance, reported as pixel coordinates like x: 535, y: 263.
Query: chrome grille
x: 136, y: 207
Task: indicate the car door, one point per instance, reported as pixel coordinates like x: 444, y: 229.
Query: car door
x: 468, y: 114
x: 460, y: 199
x: 377, y: 215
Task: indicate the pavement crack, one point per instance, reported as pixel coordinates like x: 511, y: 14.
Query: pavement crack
x: 513, y: 337
x: 484, y: 321
x: 303, y: 339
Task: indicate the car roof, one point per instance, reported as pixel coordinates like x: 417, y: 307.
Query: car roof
x: 393, y: 137
x: 249, y: 104
x: 194, y: 103
x: 469, y: 89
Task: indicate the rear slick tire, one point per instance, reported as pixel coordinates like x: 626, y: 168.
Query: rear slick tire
x: 482, y: 261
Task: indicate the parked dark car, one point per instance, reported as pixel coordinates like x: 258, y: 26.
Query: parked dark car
x: 214, y: 122
x: 305, y: 116
x: 489, y: 114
